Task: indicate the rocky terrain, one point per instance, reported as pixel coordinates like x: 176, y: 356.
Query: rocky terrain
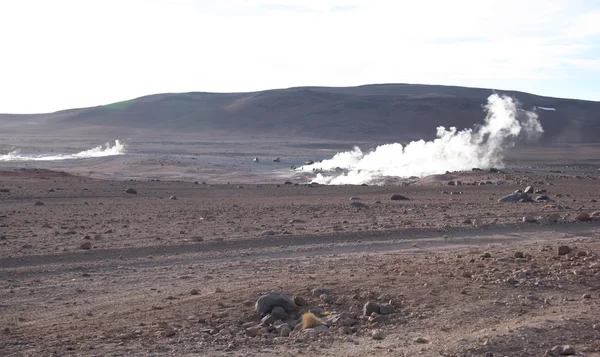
x: 442, y: 266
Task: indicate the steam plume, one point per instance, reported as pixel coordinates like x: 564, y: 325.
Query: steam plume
x: 99, y: 151
x: 452, y: 150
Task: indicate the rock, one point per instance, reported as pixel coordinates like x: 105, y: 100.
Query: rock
x: 519, y: 255
x: 316, y: 329
x: 397, y: 197
x: 4, y: 190
x: 39, y: 203
x: 85, y: 245
x: 317, y: 292
x: 267, y: 233
x: 587, y: 296
x: 563, y: 350
x: 359, y: 205
x: 451, y: 183
x: 354, y: 198
x: 255, y: 159
x: 284, y: 330
x: 529, y: 189
x: 51, y: 190
x: 169, y: 332
x: 173, y: 197
x: 254, y: 331
x: 279, y: 313
x: 542, y: 198
x: 300, y: 301
x: 296, y: 221
x: 194, y: 292
x: 529, y: 219
x: 595, y: 214
x: 563, y: 250
x: 370, y: 307
x: 267, y: 302
x: 582, y: 217
x: 268, y: 320
x: 131, y: 191
x: 386, y: 309
x: 421, y: 340
x: 276, y: 159
x: 553, y: 217
x: 515, y: 197
x: 377, y: 335
x: 477, y: 222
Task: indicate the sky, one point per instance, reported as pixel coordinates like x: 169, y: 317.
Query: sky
x: 63, y: 54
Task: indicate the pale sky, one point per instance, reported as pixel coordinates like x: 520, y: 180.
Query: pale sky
x: 60, y: 54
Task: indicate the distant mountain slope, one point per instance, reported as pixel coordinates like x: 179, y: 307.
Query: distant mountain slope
x: 371, y: 112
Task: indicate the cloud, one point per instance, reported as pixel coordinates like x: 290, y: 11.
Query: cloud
x: 68, y: 53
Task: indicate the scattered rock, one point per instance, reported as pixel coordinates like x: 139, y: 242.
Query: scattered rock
x: 421, y: 340
x: 131, y: 191
x: 268, y: 233
x: 300, y: 301
x: 563, y: 350
x: 194, y: 292
x: 529, y: 219
x: 267, y: 302
x: 39, y: 203
x: 553, y: 217
x: 354, y: 198
x: 582, y: 217
x: 173, y: 197
x: 519, y: 255
x: 86, y: 245
x: 296, y: 221
x: 563, y: 250
x: 317, y: 292
x: 542, y: 198
x: 529, y: 189
x: 377, y: 335
x: 516, y: 197
x: 386, y: 309
x: 397, y: 197
x: 358, y: 205
x: 370, y: 307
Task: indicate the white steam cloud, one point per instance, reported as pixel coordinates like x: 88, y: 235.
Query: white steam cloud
x: 452, y: 150
x: 99, y: 151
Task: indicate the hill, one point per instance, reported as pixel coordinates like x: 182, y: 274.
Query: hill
x: 377, y: 112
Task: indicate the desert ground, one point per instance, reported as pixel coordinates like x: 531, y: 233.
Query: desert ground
x: 177, y: 268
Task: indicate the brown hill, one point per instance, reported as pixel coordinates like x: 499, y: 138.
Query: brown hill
x: 378, y: 112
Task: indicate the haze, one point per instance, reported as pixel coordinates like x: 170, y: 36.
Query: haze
x: 64, y: 54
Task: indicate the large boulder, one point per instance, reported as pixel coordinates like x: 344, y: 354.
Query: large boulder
x: 266, y: 303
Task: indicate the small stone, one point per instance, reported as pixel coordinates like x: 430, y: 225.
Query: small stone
x: 563, y: 350
x: 173, y: 197
x: 300, y: 301
x: 529, y: 189
x: 529, y: 219
x: 421, y: 340
x: 194, y: 292
x: 131, y: 191
x: 582, y: 217
x: 39, y: 203
x: 359, y: 205
x: 370, y: 307
x: 377, y: 335
x: 317, y: 292
x: 587, y: 296
x: 397, y: 197
x: 169, y: 332
x: 553, y: 217
x: 285, y: 331
x: 268, y: 233
x: 85, y: 245
x: 519, y: 255
x: 386, y: 309
x: 563, y: 250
